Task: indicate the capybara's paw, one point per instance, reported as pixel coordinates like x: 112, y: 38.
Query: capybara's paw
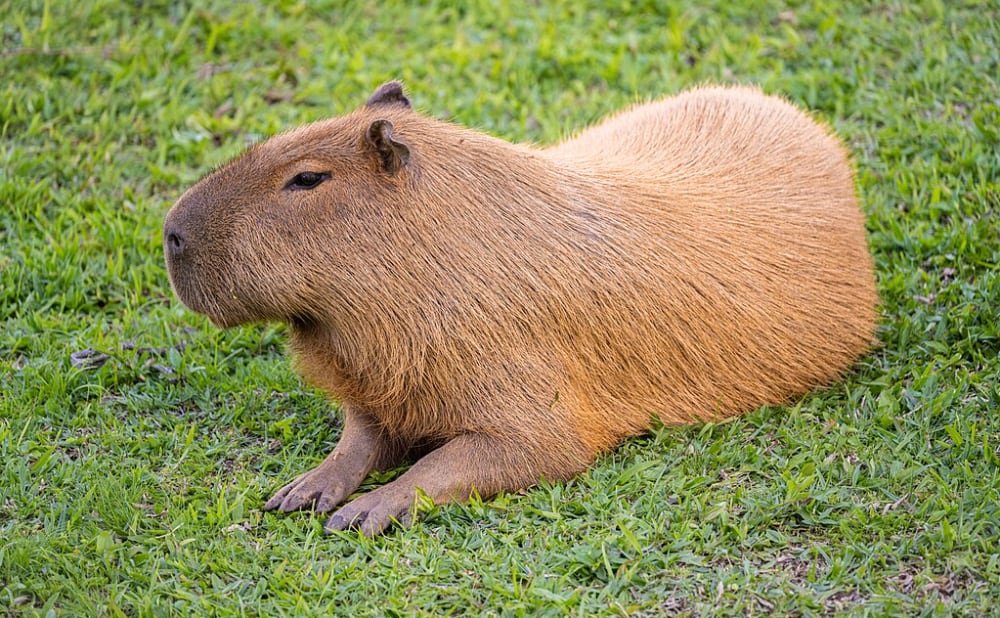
x: 317, y: 489
x: 373, y: 512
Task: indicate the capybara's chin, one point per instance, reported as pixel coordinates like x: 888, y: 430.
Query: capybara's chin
x: 502, y: 313
x: 185, y: 282
x: 222, y: 312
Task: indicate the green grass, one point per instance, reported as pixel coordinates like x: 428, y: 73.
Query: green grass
x: 135, y: 487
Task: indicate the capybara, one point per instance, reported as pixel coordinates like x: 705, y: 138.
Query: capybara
x: 501, y: 313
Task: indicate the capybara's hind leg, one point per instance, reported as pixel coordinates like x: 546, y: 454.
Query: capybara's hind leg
x: 362, y: 448
x: 467, y: 464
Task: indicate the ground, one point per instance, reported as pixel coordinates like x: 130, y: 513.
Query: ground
x: 138, y: 443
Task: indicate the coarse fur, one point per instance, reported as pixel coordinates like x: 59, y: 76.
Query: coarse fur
x: 503, y: 313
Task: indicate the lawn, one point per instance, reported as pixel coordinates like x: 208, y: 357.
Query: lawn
x: 138, y: 443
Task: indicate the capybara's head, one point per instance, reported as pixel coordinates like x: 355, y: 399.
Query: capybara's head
x: 272, y: 234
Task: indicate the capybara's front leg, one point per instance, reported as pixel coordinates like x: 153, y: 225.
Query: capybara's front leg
x: 469, y: 463
x: 362, y: 448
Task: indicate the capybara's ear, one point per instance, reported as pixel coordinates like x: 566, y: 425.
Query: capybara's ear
x: 394, y: 153
x: 387, y: 95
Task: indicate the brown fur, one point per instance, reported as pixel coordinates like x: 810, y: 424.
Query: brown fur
x: 508, y: 311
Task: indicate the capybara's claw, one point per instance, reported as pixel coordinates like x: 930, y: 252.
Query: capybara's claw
x: 374, y: 512
x: 313, y: 490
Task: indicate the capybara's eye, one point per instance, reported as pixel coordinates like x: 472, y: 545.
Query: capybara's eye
x: 306, y: 180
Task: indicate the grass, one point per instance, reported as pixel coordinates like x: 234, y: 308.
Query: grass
x: 132, y: 479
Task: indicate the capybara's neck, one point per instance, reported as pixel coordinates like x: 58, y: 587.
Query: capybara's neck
x: 482, y: 226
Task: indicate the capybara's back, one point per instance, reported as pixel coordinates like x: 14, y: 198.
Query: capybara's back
x: 502, y: 313
x: 733, y: 269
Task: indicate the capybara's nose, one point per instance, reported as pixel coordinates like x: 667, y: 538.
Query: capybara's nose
x: 173, y: 239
